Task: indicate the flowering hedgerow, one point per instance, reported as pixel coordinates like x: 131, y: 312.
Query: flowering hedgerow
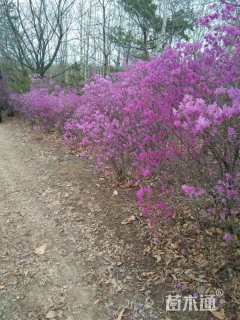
x: 175, y: 117
x: 49, y: 109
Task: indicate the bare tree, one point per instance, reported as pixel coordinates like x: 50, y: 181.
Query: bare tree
x: 37, y: 30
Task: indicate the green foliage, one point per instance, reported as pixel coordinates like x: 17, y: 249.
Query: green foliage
x: 144, y: 12
x: 146, y: 34
x: 180, y: 23
x: 20, y: 84
x: 18, y: 79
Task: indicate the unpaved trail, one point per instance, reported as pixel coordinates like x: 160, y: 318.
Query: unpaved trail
x: 40, y: 276
x: 68, y: 251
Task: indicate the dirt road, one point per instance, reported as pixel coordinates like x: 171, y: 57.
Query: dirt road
x: 65, y: 252
x: 41, y: 275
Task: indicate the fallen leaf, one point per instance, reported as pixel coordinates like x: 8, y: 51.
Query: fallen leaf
x: 148, y: 274
x: 220, y: 314
x: 51, y: 315
x: 115, y: 193
x: 157, y: 257
x: 97, y: 301
x: 121, y: 314
x: 129, y: 220
x: 41, y: 250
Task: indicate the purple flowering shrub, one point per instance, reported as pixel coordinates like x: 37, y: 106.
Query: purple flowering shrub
x: 174, y: 118
x: 48, y: 108
x: 208, y: 125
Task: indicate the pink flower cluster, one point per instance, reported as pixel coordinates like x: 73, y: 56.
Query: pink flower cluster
x: 193, y: 191
x: 49, y: 110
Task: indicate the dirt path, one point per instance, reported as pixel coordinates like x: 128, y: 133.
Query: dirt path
x: 65, y: 253
x: 40, y: 276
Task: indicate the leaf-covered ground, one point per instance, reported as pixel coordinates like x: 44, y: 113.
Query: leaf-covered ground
x: 73, y: 246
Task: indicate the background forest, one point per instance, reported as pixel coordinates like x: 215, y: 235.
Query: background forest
x: 71, y: 40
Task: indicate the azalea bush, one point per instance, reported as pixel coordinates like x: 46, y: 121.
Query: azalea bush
x: 47, y: 105
x: 208, y: 125
x: 174, y: 120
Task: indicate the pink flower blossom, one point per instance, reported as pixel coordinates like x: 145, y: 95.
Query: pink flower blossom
x: 193, y: 191
x: 228, y: 237
x: 202, y: 123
